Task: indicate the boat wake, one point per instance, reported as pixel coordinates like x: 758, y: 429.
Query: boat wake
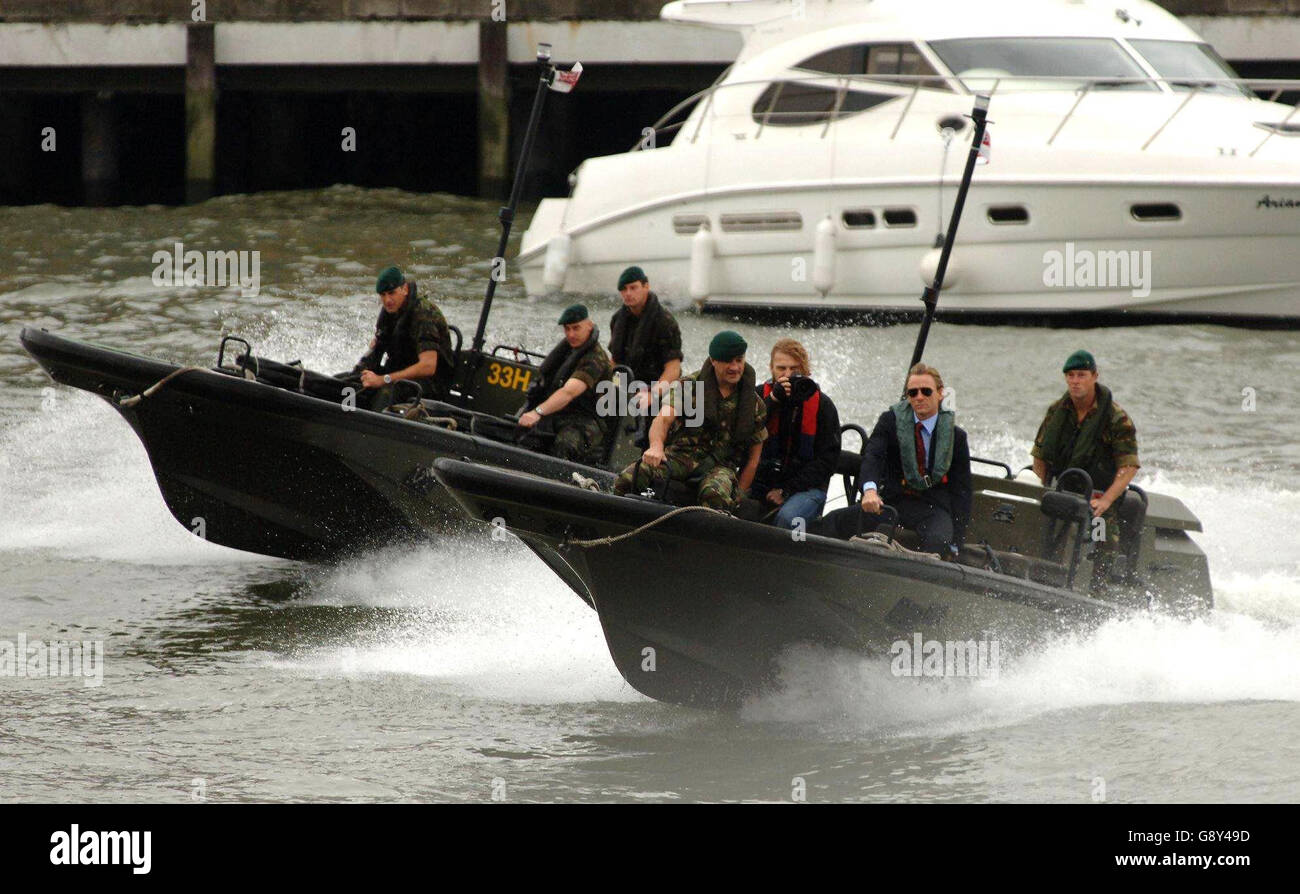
x: 1224, y: 657
x: 86, y: 489
x: 1247, y: 649
x: 327, y: 336
x: 474, y: 617
x: 487, y: 619
x: 1250, y: 542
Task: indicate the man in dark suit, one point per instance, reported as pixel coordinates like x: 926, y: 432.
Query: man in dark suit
x: 918, y: 462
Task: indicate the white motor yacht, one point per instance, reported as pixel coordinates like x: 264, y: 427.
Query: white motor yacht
x: 1130, y: 174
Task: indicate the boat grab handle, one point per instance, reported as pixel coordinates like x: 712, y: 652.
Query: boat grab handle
x: 993, y: 462
x: 221, y: 351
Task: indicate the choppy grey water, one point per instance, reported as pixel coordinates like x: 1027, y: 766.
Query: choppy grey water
x: 466, y: 669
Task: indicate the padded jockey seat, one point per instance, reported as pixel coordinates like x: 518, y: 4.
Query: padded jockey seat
x: 614, y: 426
x: 1065, y: 516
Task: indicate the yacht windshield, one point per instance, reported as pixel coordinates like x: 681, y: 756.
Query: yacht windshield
x: 1188, y: 65
x: 980, y: 61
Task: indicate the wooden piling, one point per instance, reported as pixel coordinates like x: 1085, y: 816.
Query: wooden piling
x: 16, y: 149
x: 200, y: 111
x: 493, y: 111
x: 99, y: 151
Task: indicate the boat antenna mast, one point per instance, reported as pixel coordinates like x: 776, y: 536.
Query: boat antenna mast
x: 548, y: 77
x: 931, y: 294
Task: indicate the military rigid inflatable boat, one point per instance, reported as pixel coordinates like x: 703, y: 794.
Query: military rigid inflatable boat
x: 273, y: 459
x: 699, y: 607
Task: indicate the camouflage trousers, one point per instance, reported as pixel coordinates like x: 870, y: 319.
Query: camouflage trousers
x: 579, y: 439
x: 717, y: 489
x: 1108, y: 536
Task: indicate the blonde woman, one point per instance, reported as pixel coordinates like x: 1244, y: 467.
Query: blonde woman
x: 803, y: 443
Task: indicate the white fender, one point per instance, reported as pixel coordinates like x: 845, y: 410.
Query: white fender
x: 702, y: 250
x: 556, y: 265
x: 930, y: 266
x: 823, y: 272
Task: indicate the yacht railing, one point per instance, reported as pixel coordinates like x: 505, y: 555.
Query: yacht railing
x: 1270, y: 89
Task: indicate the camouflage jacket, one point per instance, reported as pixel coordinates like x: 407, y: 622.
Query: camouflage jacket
x: 590, y: 367
x: 419, y: 326
x: 648, y: 343
x: 698, y: 442
x: 1098, y: 446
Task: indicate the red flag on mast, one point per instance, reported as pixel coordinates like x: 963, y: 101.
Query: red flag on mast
x: 565, y: 81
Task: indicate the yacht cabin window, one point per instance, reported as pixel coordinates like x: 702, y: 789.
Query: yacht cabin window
x: 981, y: 61
x: 794, y: 103
x: 876, y: 59
x: 1189, y: 65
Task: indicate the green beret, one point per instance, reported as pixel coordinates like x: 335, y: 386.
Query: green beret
x: 389, y: 278
x: 574, y: 313
x: 727, y: 346
x: 1080, y: 360
x: 631, y: 274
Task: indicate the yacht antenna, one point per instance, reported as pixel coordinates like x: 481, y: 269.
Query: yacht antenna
x: 931, y: 294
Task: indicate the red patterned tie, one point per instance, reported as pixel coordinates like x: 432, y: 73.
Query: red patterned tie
x: 920, y: 452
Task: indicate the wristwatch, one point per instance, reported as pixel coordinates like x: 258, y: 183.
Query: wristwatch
x: 538, y: 410
x: 388, y: 380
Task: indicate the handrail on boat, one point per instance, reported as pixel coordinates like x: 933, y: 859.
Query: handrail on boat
x: 907, y: 107
x: 1069, y: 114
x: 1160, y: 129
x: 1082, y: 87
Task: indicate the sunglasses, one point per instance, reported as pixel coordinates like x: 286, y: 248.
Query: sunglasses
x: 913, y: 392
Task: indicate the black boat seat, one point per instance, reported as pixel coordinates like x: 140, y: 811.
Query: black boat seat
x: 613, y: 426
x: 1064, y: 505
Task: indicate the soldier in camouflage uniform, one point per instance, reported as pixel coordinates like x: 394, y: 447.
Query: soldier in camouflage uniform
x: 568, y: 394
x: 643, y: 335
x: 412, y: 341
x: 717, y: 454
x: 1086, y: 429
